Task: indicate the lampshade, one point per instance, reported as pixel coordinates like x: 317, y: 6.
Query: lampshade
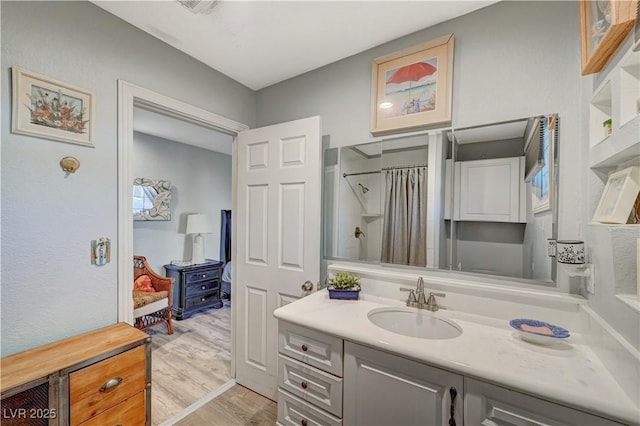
x: 198, y: 224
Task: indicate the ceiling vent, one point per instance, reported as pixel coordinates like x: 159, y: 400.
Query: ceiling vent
x: 199, y: 7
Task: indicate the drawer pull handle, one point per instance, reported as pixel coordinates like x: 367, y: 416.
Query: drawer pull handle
x: 303, y: 422
x: 203, y: 299
x: 204, y: 287
x: 110, y: 384
x: 204, y: 275
x: 304, y: 385
x: 304, y: 348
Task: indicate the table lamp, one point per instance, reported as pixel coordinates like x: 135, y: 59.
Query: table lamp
x: 198, y: 224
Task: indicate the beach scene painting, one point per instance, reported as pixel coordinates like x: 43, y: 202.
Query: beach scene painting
x: 411, y: 89
x: 52, y: 109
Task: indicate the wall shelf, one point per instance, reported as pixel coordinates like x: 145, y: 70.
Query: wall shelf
x: 620, y: 147
x: 599, y: 111
x: 371, y: 216
x: 630, y: 88
x: 616, y: 98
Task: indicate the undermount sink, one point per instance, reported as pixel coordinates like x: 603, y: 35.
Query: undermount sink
x: 414, y: 323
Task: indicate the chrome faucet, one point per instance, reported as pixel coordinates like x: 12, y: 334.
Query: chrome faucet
x: 417, y: 298
x: 432, y: 304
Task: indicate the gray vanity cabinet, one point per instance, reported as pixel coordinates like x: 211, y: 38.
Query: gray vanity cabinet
x: 326, y: 381
x: 384, y: 389
x: 487, y: 404
x: 309, y: 377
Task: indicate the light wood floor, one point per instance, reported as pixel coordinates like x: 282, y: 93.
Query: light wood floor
x: 192, y: 362
x: 236, y: 407
x: 195, y: 361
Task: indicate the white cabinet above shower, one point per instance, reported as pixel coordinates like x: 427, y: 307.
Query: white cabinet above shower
x: 490, y: 190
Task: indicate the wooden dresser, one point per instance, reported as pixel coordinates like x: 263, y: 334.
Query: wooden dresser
x: 102, y: 377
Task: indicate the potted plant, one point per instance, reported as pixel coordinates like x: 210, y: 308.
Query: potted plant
x: 607, y: 126
x: 344, y: 285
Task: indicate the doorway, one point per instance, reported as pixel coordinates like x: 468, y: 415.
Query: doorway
x: 131, y: 97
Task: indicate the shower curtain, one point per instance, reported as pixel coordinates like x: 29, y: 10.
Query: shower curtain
x: 404, y: 233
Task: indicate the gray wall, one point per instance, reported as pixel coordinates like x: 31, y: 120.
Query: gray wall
x: 200, y: 183
x: 512, y: 60
x: 50, y: 290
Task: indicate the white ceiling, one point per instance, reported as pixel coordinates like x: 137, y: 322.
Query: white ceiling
x: 259, y: 43
x: 262, y: 42
x: 173, y: 129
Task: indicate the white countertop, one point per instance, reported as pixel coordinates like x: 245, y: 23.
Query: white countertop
x: 488, y: 349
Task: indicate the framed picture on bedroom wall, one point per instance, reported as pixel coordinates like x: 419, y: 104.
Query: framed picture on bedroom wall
x: 52, y: 109
x: 411, y: 88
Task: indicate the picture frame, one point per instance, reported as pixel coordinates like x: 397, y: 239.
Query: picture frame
x: 51, y: 109
x: 151, y: 199
x: 542, y: 188
x: 603, y: 26
x: 619, y: 195
x: 412, y: 88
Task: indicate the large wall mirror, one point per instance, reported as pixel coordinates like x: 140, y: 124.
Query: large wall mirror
x: 479, y: 200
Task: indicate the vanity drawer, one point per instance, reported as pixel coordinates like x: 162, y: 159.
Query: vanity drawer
x: 85, y: 395
x: 128, y: 413
x: 202, y: 275
x: 202, y: 287
x: 311, y: 347
x: 295, y: 412
x: 310, y: 384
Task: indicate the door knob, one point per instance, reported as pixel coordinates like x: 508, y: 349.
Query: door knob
x: 307, y: 286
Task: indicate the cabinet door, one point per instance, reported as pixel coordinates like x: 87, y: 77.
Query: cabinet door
x: 490, y: 190
x: 486, y: 404
x: 384, y: 389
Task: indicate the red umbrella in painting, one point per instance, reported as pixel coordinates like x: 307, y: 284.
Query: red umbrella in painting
x: 413, y: 72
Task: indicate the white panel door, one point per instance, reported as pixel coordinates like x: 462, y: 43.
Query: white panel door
x: 278, y: 239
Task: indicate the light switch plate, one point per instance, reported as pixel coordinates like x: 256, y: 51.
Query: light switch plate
x: 101, y: 251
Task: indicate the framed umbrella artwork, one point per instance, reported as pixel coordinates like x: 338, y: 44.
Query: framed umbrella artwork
x: 412, y: 88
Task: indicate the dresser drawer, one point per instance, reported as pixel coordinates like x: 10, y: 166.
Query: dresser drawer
x: 293, y: 411
x: 202, y: 287
x: 130, y: 412
x: 202, y: 275
x: 202, y: 301
x: 310, y: 384
x: 86, y: 398
x: 311, y: 347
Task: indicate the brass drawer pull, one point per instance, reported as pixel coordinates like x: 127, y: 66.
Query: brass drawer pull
x: 110, y: 384
x: 304, y: 385
x: 304, y: 348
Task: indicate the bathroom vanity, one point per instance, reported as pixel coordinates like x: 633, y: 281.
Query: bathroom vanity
x: 337, y: 367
